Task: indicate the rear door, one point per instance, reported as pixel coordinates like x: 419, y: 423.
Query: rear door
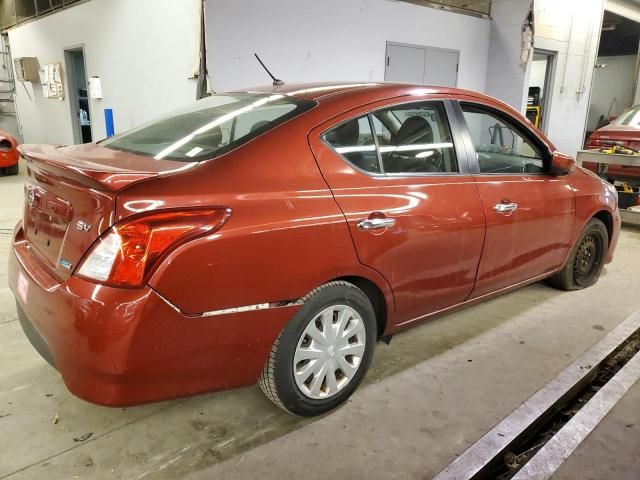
x: 529, y: 212
x: 412, y: 206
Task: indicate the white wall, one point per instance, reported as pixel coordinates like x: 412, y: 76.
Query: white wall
x: 616, y: 80
x: 143, y: 50
x: 571, y: 28
x: 505, y: 72
x: 308, y: 40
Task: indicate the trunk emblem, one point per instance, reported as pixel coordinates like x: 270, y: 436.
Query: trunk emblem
x: 83, y: 226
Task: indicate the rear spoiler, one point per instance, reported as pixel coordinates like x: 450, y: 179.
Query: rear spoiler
x: 96, y: 167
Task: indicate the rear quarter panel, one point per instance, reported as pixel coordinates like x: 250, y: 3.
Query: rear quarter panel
x: 285, y: 237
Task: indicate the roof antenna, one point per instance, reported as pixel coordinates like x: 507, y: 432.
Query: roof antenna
x: 276, y: 81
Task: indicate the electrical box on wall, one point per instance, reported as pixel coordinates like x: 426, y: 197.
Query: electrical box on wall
x: 27, y: 69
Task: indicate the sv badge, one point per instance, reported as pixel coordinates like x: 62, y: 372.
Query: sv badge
x: 83, y: 226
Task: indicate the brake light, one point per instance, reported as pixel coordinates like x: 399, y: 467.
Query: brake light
x: 126, y: 253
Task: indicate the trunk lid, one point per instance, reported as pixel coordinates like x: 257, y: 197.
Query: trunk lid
x: 70, y: 197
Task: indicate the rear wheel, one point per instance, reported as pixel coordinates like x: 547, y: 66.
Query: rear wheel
x: 12, y: 170
x: 587, y: 259
x: 323, y: 353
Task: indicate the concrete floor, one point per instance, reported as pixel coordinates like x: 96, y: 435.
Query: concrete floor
x: 428, y: 396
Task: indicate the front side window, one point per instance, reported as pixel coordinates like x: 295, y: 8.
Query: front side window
x: 209, y: 127
x: 499, y: 145
x: 403, y: 139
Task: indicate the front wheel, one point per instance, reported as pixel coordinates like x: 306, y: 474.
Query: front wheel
x: 586, y: 260
x: 323, y: 353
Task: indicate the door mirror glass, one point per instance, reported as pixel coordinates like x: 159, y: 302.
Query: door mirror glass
x: 562, y: 164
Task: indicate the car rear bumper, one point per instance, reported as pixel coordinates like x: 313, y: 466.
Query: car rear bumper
x: 129, y: 346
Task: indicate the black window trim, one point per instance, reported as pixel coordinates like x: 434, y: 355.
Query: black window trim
x: 518, y: 126
x: 460, y: 149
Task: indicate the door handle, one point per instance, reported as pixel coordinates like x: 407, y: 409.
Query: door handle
x: 506, y: 208
x: 375, y: 223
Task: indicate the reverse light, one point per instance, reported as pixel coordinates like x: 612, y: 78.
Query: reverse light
x: 126, y: 253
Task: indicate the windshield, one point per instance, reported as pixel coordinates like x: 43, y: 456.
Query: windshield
x: 209, y: 127
x: 630, y: 117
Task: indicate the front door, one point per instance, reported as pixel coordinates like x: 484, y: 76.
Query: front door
x: 529, y: 212
x: 412, y: 206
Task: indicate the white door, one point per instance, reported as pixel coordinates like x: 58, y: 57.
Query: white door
x: 404, y: 63
x: 423, y: 65
x: 441, y: 68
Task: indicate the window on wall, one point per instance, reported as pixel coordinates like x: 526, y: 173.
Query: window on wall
x: 500, y: 146
x: 412, y: 138
x: 14, y: 12
x: 480, y: 8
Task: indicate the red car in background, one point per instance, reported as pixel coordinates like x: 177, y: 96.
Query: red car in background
x: 275, y: 235
x: 625, y: 131
x: 8, y: 154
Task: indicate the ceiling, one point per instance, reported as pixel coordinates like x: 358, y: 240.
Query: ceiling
x: 620, y: 35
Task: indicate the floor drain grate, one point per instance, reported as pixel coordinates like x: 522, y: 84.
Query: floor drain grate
x: 508, y: 465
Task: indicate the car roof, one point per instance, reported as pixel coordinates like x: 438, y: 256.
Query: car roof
x: 321, y: 90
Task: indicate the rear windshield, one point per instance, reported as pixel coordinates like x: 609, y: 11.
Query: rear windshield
x: 209, y: 127
x: 630, y: 117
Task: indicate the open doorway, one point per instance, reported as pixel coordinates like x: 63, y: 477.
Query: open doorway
x: 540, y: 84
x: 78, y: 95
x: 615, y: 89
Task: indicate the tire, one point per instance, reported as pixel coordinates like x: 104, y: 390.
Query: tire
x: 344, y: 307
x: 12, y: 170
x: 585, y: 263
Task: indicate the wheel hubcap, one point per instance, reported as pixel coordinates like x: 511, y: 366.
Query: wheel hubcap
x: 329, y: 352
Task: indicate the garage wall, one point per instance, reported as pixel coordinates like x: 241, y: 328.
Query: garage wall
x: 308, y: 40
x: 571, y: 28
x: 616, y: 80
x: 505, y: 72
x: 143, y: 50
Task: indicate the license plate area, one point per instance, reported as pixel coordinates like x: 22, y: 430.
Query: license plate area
x: 45, y: 223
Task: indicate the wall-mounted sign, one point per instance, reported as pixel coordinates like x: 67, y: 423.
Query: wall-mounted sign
x: 51, y: 80
x: 95, y: 88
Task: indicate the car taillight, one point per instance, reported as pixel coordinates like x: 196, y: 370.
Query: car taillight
x: 126, y: 253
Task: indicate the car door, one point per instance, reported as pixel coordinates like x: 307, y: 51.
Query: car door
x: 412, y: 206
x: 529, y: 212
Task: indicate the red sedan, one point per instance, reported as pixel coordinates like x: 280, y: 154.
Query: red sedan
x: 275, y: 235
x: 625, y: 131
x: 8, y: 154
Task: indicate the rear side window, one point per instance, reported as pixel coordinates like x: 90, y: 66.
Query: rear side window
x: 210, y: 127
x: 353, y: 140
x: 410, y: 138
x: 420, y: 140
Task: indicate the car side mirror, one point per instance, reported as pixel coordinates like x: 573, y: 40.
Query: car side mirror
x: 561, y: 164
